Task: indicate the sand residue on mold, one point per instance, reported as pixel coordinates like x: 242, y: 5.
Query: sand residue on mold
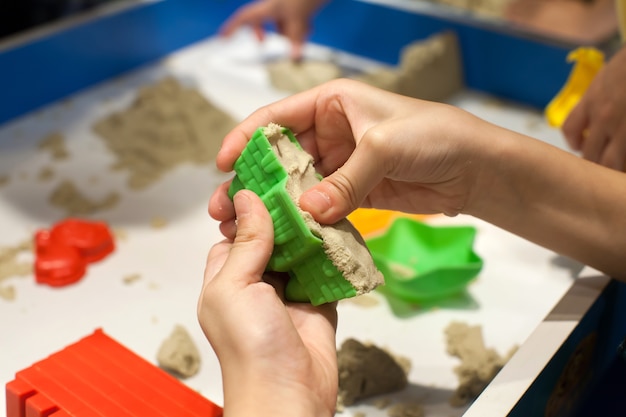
x: 342, y: 243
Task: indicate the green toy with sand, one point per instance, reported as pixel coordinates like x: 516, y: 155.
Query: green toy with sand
x: 325, y: 263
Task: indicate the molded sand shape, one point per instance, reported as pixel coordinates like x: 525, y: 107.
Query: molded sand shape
x: 325, y: 262
x: 422, y: 262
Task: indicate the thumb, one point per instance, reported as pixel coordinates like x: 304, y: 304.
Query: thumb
x: 253, y: 243
x: 343, y: 191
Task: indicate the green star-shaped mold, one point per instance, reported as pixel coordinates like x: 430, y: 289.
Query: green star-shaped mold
x: 422, y: 262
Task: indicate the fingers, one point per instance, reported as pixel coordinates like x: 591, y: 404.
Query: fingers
x: 296, y: 112
x: 614, y: 154
x: 296, y: 31
x: 343, y: 191
x: 296, y: 51
x: 254, y: 241
x: 215, y: 260
x: 575, y: 126
x: 252, y: 15
x: 594, y: 143
x: 220, y: 206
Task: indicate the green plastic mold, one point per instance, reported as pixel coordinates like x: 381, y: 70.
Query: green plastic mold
x: 297, y: 251
x: 422, y: 263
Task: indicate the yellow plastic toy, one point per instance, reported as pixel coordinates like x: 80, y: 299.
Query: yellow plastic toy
x: 588, y: 62
x: 374, y: 221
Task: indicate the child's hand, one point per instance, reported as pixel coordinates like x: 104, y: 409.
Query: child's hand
x: 277, y: 358
x: 291, y: 17
x: 597, y: 125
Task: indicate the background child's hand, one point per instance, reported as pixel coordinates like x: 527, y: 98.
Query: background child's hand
x: 291, y: 17
x: 276, y: 358
x: 597, y: 125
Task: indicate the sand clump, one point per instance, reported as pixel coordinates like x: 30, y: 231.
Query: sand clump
x: 291, y: 76
x: 406, y: 410
x: 429, y: 69
x: 12, y: 266
x: 178, y: 354
x: 69, y: 198
x: 342, y: 243
x: 168, y: 124
x: 366, y: 370
x: 54, y: 144
x: 479, y: 364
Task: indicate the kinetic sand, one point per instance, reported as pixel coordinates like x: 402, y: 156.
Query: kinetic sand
x: 479, y: 364
x: 342, y: 243
x: 167, y: 125
x: 367, y: 370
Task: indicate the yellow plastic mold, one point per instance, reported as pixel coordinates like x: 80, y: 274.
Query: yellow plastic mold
x: 588, y: 61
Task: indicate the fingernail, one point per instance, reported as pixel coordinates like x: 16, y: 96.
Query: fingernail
x: 317, y: 199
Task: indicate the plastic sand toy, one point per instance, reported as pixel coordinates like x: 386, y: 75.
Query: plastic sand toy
x: 297, y: 250
x: 422, y: 263
x: 63, y: 253
x: 588, y: 61
x: 370, y: 221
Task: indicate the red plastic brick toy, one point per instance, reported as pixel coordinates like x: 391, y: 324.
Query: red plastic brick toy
x: 97, y: 376
x: 62, y: 253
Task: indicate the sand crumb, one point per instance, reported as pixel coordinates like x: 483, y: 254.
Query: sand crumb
x: 131, y: 278
x: 382, y: 403
x: 11, y: 266
x: 479, y: 364
x: 178, y: 354
x: 405, y: 410
x: 365, y: 301
x: 54, y: 143
x: 7, y: 292
x: 45, y: 174
x: 158, y: 222
x: 167, y: 125
x: 69, y: 198
x: 120, y: 234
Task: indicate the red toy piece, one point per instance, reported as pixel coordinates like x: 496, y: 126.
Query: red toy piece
x: 56, y: 265
x: 62, y: 254
x: 97, y: 376
x: 93, y: 240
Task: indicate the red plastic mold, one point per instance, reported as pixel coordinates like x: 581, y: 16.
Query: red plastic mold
x: 62, y: 253
x: 97, y: 376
